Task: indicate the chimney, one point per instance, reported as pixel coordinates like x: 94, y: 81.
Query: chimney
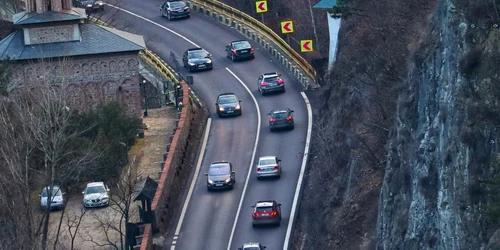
x: 56, y: 5
x: 41, y: 6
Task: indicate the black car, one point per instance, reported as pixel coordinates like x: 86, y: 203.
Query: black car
x: 220, y: 175
x: 175, y: 9
x: 240, y: 49
x: 197, y: 59
x: 89, y: 5
x: 270, y: 82
x: 281, y: 118
x: 228, y: 104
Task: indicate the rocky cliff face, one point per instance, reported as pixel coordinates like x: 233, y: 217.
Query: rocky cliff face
x: 435, y: 189
x: 406, y: 157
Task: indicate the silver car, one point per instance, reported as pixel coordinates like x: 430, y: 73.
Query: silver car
x: 57, y: 200
x: 252, y: 246
x: 268, y: 166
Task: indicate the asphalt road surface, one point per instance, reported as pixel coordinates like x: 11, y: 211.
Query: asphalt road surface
x: 210, y: 216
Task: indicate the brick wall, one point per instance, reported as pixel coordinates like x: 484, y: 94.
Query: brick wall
x: 53, y: 34
x: 87, y: 81
x: 177, y: 167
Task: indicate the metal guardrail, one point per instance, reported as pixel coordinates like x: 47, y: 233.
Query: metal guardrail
x: 263, y: 29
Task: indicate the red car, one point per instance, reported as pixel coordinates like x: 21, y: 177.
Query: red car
x: 266, y: 212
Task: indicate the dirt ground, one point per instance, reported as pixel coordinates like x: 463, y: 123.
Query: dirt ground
x: 96, y: 225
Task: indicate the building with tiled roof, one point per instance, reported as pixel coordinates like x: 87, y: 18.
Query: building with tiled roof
x: 94, y: 64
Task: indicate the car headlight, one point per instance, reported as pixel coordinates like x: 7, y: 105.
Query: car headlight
x: 101, y: 3
x: 221, y: 108
x: 210, y: 181
x: 228, y: 180
x: 209, y: 61
x: 89, y: 5
x: 191, y: 64
x: 237, y: 107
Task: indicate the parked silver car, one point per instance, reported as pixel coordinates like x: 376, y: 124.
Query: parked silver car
x: 96, y: 194
x: 57, y: 200
x: 268, y: 166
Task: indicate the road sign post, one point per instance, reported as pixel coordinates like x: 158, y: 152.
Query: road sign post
x: 306, y: 46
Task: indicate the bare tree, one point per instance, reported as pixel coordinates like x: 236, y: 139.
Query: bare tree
x: 121, y: 200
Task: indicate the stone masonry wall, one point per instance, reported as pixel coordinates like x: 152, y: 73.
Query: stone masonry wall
x: 88, y: 81
x: 53, y: 34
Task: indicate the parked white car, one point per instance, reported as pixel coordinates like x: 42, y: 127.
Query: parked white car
x: 57, y: 200
x: 96, y: 194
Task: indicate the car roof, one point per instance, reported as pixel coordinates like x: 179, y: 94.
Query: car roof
x: 237, y: 41
x: 53, y: 187
x: 267, y: 158
x: 228, y: 93
x: 264, y: 204
x: 219, y: 163
x: 251, y: 244
x: 95, y: 184
x: 270, y: 74
x: 194, y: 49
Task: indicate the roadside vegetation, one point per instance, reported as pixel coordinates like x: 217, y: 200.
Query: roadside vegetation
x: 47, y: 141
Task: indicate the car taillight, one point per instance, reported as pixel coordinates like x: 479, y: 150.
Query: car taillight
x: 276, y: 168
x: 258, y: 169
x: 273, y: 213
x: 289, y: 118
x: 263, y: 84
x: 174, y: 11
x: 255, y: 214
x: 234, y: 52
x: 251, y: 49
x: 272, y: 120
x: 280, y: 81
x: 187, y: 8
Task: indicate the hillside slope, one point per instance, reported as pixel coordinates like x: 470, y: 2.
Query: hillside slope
x: 403, y: 150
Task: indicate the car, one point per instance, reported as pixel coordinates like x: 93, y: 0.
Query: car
x: 56, y: 202
x: 281, y: 119
x: 175, y: 9
x: 241, y: 49
x: 267, y: 212
x: 197, y: 59
x: 220, y: 175
x: 89, y: 5
x: 96, y: 194
x: 252, y: 246
x: 268, y: 166
x: 270, y: 82
x: 228, y: 105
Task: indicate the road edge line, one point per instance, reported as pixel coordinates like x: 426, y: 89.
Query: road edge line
x: 291, y: 220
x: 251, y: 162
x: 195, y: 176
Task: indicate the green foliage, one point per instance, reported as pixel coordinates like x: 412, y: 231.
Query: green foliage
x: 113, y: 131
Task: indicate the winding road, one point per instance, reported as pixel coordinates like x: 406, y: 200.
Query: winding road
x: 222, y: 220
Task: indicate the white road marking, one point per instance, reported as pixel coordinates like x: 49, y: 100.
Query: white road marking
x: 195, y: 177
x: 301, y: 174
x: 251, y: 162
x: 174, y: 242
x: 157, y: 24
x: 172, y: 248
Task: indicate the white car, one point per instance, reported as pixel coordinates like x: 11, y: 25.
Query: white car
x: 57, y: 200
x: 96, y: 194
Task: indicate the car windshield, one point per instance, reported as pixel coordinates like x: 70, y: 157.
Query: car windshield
x: 55, y: 192
x: 197, y: 54
x: 263, y: 209
x: 227, y: 99
x: 219, y: 170
x: 273, y: 79
x: 241, y: 45
x: 95, y: 190
x: 177, y: 4
x: 267, y: 162
x: 280, y: 115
